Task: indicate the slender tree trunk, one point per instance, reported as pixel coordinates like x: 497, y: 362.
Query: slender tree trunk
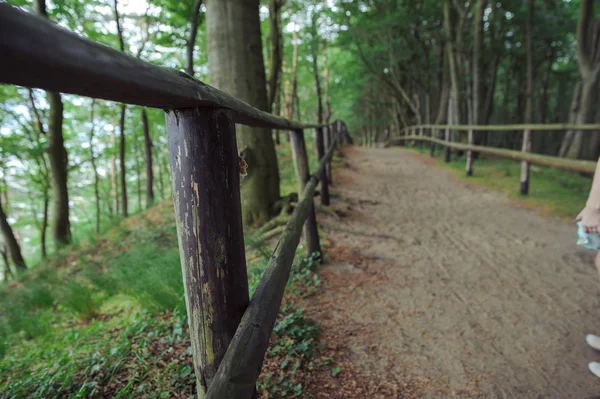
x: 121, y: 121
x: 442, y: 115
x: 326, y: 77
x: 43, y: 167
x: 4, y: 190
x: 138, y: 172
x: 61, y: 229
x: 315, y: 66
x: 276, y: 57
x: 191, y: 41
x: 529, y: 100
x: 294, y: 93
x: 452, y: 62
x: 113, y: 174
x: 122, y: 161
x: 476, y: 89
x: 7, y: 271
x: 57, y: 154
x: 161, y: 184
x: 585, y: 95
x: 149, y: 165
x: 233, y: 27
x: 94, y: 168
x: 11, y: 242
x: 44, y: 227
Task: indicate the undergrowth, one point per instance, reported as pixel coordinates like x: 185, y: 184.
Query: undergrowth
x: 106, y: 317
x: 119, y: 329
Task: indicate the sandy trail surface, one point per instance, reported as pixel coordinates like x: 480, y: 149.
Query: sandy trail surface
x: 445, y: 290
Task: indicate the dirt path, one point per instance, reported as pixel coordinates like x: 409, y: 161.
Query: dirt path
x: 450, y: 291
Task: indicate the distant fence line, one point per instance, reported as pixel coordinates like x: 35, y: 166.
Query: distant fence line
x: 418, y: 133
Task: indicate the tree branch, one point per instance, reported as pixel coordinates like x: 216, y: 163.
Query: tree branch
x: 191, y: 42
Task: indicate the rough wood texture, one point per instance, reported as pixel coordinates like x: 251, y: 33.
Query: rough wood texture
x: 536, y: 159
x: 327, y: 143
x: 469, y: 166
x: 206, y: 197
x: 320, y: 141
x: 311, y: 233
x: 37, y: 53
x: 241, y: 366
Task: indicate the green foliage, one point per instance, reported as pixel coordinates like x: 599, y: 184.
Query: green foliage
x: 91, y: 358
x: 304, y: 279
x: 79, y: 298
x: 294, y: 337
x: 152, y: 277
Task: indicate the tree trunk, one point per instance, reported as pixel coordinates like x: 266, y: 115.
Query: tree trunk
x: 294, y: 93
x: 442, y: 115
x: 149, y: 165
x: 236, y: 66
x: 476, y: 89
x: 311, y: 233
x: 191, y: 41
x: 315, y: 66
x: 7, y: 271
x: 113, y: 174
x: 95, y: 170
x: 44, y: 227
x: 161, y: 184
x: 138, y: 173
x: 452, y: 62
x: 326, y: 77
x: 57, y: 153
x: 588, y: 49
x: 121, y: 121
x: 61, y: 229
x: 529, y: 100
x: 11, y: 242
x: 122, y: 161
x: 276, y: 52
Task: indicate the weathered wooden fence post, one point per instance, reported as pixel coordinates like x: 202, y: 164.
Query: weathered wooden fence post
x: 524, y: 189
x: 320, y: 144
x: 469, y: 167
x: 327, y: 143
x: 206, y: 197
x: 311, y: 233
x: 448, y: 138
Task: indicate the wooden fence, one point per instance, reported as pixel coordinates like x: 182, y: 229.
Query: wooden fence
x: 418, y: 133
x: 229, y: 333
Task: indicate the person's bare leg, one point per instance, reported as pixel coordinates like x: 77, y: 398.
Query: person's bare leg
x: 591, y: 339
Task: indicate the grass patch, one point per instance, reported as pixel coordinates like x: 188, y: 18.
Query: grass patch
x: 552, y: 192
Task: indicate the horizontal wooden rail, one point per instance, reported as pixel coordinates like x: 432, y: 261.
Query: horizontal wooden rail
x: 237, y: 374
x: 496, y: 128
x: 38, y: 53
x: 572, y: 165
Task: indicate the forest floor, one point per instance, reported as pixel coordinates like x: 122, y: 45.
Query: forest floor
x: 437, y: 288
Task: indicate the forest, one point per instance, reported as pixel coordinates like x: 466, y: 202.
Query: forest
x: 86, y: 183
